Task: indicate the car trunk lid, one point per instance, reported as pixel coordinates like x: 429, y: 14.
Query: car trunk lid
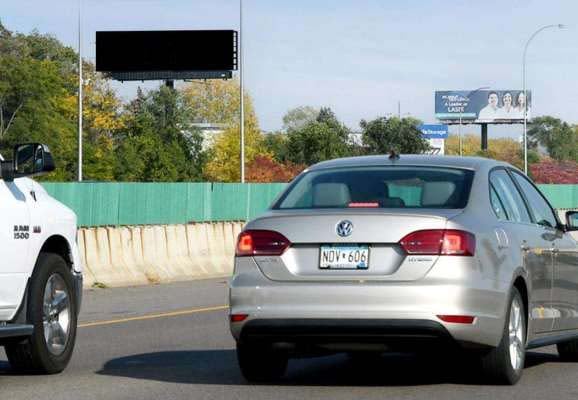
x: 377, y: 230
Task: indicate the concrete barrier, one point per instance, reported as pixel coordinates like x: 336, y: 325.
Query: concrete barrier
x: 129, y: 256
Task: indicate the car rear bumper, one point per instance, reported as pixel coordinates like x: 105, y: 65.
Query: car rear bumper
x: 328, y: 303
x: 351, y: 334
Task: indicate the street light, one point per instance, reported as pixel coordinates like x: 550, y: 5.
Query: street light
x: 559, y: 26
x: 80, y: 91
x: 461, y: 113
x: 242, y: 97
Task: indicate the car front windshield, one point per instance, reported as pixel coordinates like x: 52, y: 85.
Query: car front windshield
x: 379, y: 187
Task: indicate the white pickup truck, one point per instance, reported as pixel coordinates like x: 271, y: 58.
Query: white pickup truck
x: 40, y: 269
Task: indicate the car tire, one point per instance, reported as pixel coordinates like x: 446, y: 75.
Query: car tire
x: 568, y: 351
x: 261, y: 363
x: 53, y: 314
x: 505, y: 363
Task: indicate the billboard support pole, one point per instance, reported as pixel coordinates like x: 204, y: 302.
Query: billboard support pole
x: 460, y: 135
x: 484, y: 137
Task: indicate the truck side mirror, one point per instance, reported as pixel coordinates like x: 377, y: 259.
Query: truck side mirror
x: 572, y: 220
x: 32, y: 159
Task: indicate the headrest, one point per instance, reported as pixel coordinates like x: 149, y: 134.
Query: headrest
x: 437, y: 193
x: 331, y: 195
x: 393, y: 202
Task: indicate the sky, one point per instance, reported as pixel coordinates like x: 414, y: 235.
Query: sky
x: 359, y: 57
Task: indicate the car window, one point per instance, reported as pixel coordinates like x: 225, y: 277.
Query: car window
x: 379, y: 187
x: 511, y: 199
x: 498, y: 205
x: 540, y: 208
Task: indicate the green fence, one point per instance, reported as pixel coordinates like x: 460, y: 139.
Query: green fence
x: 98, y: 204
x: 163, y: 203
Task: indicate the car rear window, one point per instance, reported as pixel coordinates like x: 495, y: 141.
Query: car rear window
x: 379, y: 187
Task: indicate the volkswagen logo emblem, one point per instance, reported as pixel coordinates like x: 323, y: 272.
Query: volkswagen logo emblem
x: 344, y: 228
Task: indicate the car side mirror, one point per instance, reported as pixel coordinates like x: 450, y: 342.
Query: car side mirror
x: 30, y: 159
x: 572, y: 220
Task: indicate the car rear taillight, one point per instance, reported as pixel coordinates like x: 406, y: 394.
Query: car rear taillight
x: 261, y: 243
x: 438, y: 242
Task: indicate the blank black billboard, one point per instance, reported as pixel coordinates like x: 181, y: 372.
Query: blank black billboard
x: 154, y: 51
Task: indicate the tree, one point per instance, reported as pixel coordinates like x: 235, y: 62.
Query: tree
x: 323, y: 139
x: 503, y: 149
x: 382, y: 135
x: 38, y: 102
x: 224, y: 157
x: 551, y: 171
x: 218, y: 102
x: 471, y: 144
x: 276, y: 145
x: 298, y: 117
x: 557, y: 136
x: 31, y: 107
x: 159, y: 144
x: 265, y: 169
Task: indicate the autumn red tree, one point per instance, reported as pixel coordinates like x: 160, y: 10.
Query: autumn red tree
x: 551, y: 171
x: 264, y: 169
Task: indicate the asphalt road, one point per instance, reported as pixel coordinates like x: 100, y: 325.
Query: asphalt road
x: 172, y: 342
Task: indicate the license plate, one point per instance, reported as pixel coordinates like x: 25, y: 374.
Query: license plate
x: 344, y: 257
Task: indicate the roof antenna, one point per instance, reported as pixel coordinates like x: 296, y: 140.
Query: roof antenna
x: 393, y: 155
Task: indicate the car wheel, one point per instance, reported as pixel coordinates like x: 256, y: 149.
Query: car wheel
x: 52, y: 312
x: 261, y: 363
x: 568, y: 351
x: 505, y: 363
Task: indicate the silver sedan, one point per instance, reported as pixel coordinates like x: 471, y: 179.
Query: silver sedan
x: 376, y: 254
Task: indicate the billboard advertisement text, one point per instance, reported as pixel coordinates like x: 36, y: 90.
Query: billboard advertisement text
x: 482, y: 106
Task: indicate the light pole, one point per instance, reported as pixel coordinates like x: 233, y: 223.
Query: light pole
x: 79, y: 91
x: 242, y: 97
x: 559, y: 26
x: 461, y: 113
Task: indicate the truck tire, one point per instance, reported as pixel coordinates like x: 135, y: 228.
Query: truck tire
x: 52, y: 311
x: 505, y: 363
x: 260, y: 363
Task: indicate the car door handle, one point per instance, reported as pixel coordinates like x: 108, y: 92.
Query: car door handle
x: 555, y: 250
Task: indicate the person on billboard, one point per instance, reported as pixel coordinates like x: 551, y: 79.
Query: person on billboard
x: 520, y: 104
x: 490, y: 112
x: 507, y: 110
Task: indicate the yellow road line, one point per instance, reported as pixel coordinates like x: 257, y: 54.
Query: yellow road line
x: 152, y: 316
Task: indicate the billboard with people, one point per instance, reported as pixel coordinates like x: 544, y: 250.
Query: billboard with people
x: 482, y: 106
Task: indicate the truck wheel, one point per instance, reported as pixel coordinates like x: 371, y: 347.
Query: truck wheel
x: 568, y: 351
x: 52, y: 312
x: 505, y: 363
x: 261, y: 363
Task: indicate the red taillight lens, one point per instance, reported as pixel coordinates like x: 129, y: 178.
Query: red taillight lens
x: 457, y: 319
x: 238, y: 317
x: 261, y: 243
x: 458, y: 243
x: 447, y: 242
